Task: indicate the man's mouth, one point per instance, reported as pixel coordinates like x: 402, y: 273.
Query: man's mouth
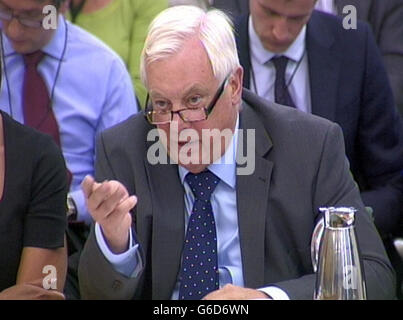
x: 17, y: 42
x: 183, y: 143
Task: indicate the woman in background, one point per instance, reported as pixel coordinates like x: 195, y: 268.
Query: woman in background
x: 122, y: 25
x: 33, y: 190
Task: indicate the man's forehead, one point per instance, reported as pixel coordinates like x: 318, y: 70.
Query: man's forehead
x: 26, y: 5
x: 190, y: 62
x: 189, y: 88
x: 177, y: 75
x: 288, y: 7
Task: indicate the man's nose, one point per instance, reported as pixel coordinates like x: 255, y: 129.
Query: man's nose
x: 179, y: 122
x: 14, y: 28
x: 281, y: 30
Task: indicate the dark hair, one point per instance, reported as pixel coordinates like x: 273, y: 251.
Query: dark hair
x: 57, y: 3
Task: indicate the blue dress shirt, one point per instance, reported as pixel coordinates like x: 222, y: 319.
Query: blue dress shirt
x: 92, y: 92
x: 328, y: 6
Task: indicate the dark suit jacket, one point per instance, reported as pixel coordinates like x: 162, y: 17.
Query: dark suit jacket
x: 349, y: 86
x: 233, y: 8
x: 385, y: 18
x: 300, y: 166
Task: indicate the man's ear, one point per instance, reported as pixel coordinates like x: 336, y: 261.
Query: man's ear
x: 236, y: 83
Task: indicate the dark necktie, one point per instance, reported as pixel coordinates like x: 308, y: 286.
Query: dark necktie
x: 199, y: 271
x: 37, y: 107
x: 281, y: 94
x: 38, y: 112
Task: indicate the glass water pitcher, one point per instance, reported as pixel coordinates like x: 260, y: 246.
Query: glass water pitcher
x: 339, y: 274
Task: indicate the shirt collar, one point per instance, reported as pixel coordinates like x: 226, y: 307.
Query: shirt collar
x: 7, y: 47
x: 54, y: 48
x: 226, y: 171
x: 262, y: 55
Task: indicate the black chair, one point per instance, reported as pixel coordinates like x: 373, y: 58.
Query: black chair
x: 77, y: 233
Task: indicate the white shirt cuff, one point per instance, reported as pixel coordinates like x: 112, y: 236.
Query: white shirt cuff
x: 128, y: 263
x: 275, y: 293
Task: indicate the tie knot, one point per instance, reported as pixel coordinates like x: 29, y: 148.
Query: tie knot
x: 202, y: 184
x: 280, y: 63
x: 33, y: 59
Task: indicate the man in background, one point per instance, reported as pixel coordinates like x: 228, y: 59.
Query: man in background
x: 64, y: 82
x: 303, y: 58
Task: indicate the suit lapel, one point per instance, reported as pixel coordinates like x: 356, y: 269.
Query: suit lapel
x: 252, y: 195
x: 322, y: 60
x: 243, y: 6
x: 168, y: 227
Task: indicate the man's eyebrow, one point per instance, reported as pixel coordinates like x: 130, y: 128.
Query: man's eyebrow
x: 27, y: 12
x: 31, y: 13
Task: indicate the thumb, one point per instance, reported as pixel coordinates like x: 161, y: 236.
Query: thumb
x: 86, y: 185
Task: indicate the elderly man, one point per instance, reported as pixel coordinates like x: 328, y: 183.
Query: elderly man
x: 197, y: 226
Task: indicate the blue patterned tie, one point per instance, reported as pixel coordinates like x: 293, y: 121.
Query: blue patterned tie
x: 281, y: 94
x: 199, y: 272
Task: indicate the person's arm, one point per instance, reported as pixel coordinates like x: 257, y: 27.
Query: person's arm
x: 41, y: 275
x: 43, y: 263
x: 26, y: 291
x: 109, y: 204
x: 143, y: 13
x: 37, y: 263
x: 128, y: 263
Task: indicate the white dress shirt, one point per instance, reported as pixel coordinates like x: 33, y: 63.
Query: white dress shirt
x: 328, y: 6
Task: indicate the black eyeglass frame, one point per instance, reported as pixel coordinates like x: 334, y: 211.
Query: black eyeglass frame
x: 8, y: 15
x: 149, y: 111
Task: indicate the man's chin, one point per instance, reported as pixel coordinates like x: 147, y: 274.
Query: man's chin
x: 192, y: 162
x: 277, y: 48
x: 21, y: 47
x: 194, y: 168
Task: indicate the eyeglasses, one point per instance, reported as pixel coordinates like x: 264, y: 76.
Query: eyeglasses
x: 8, y: 15
x: 189, y: 114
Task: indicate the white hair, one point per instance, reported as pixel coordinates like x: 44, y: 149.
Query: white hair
x: 174, y: 26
